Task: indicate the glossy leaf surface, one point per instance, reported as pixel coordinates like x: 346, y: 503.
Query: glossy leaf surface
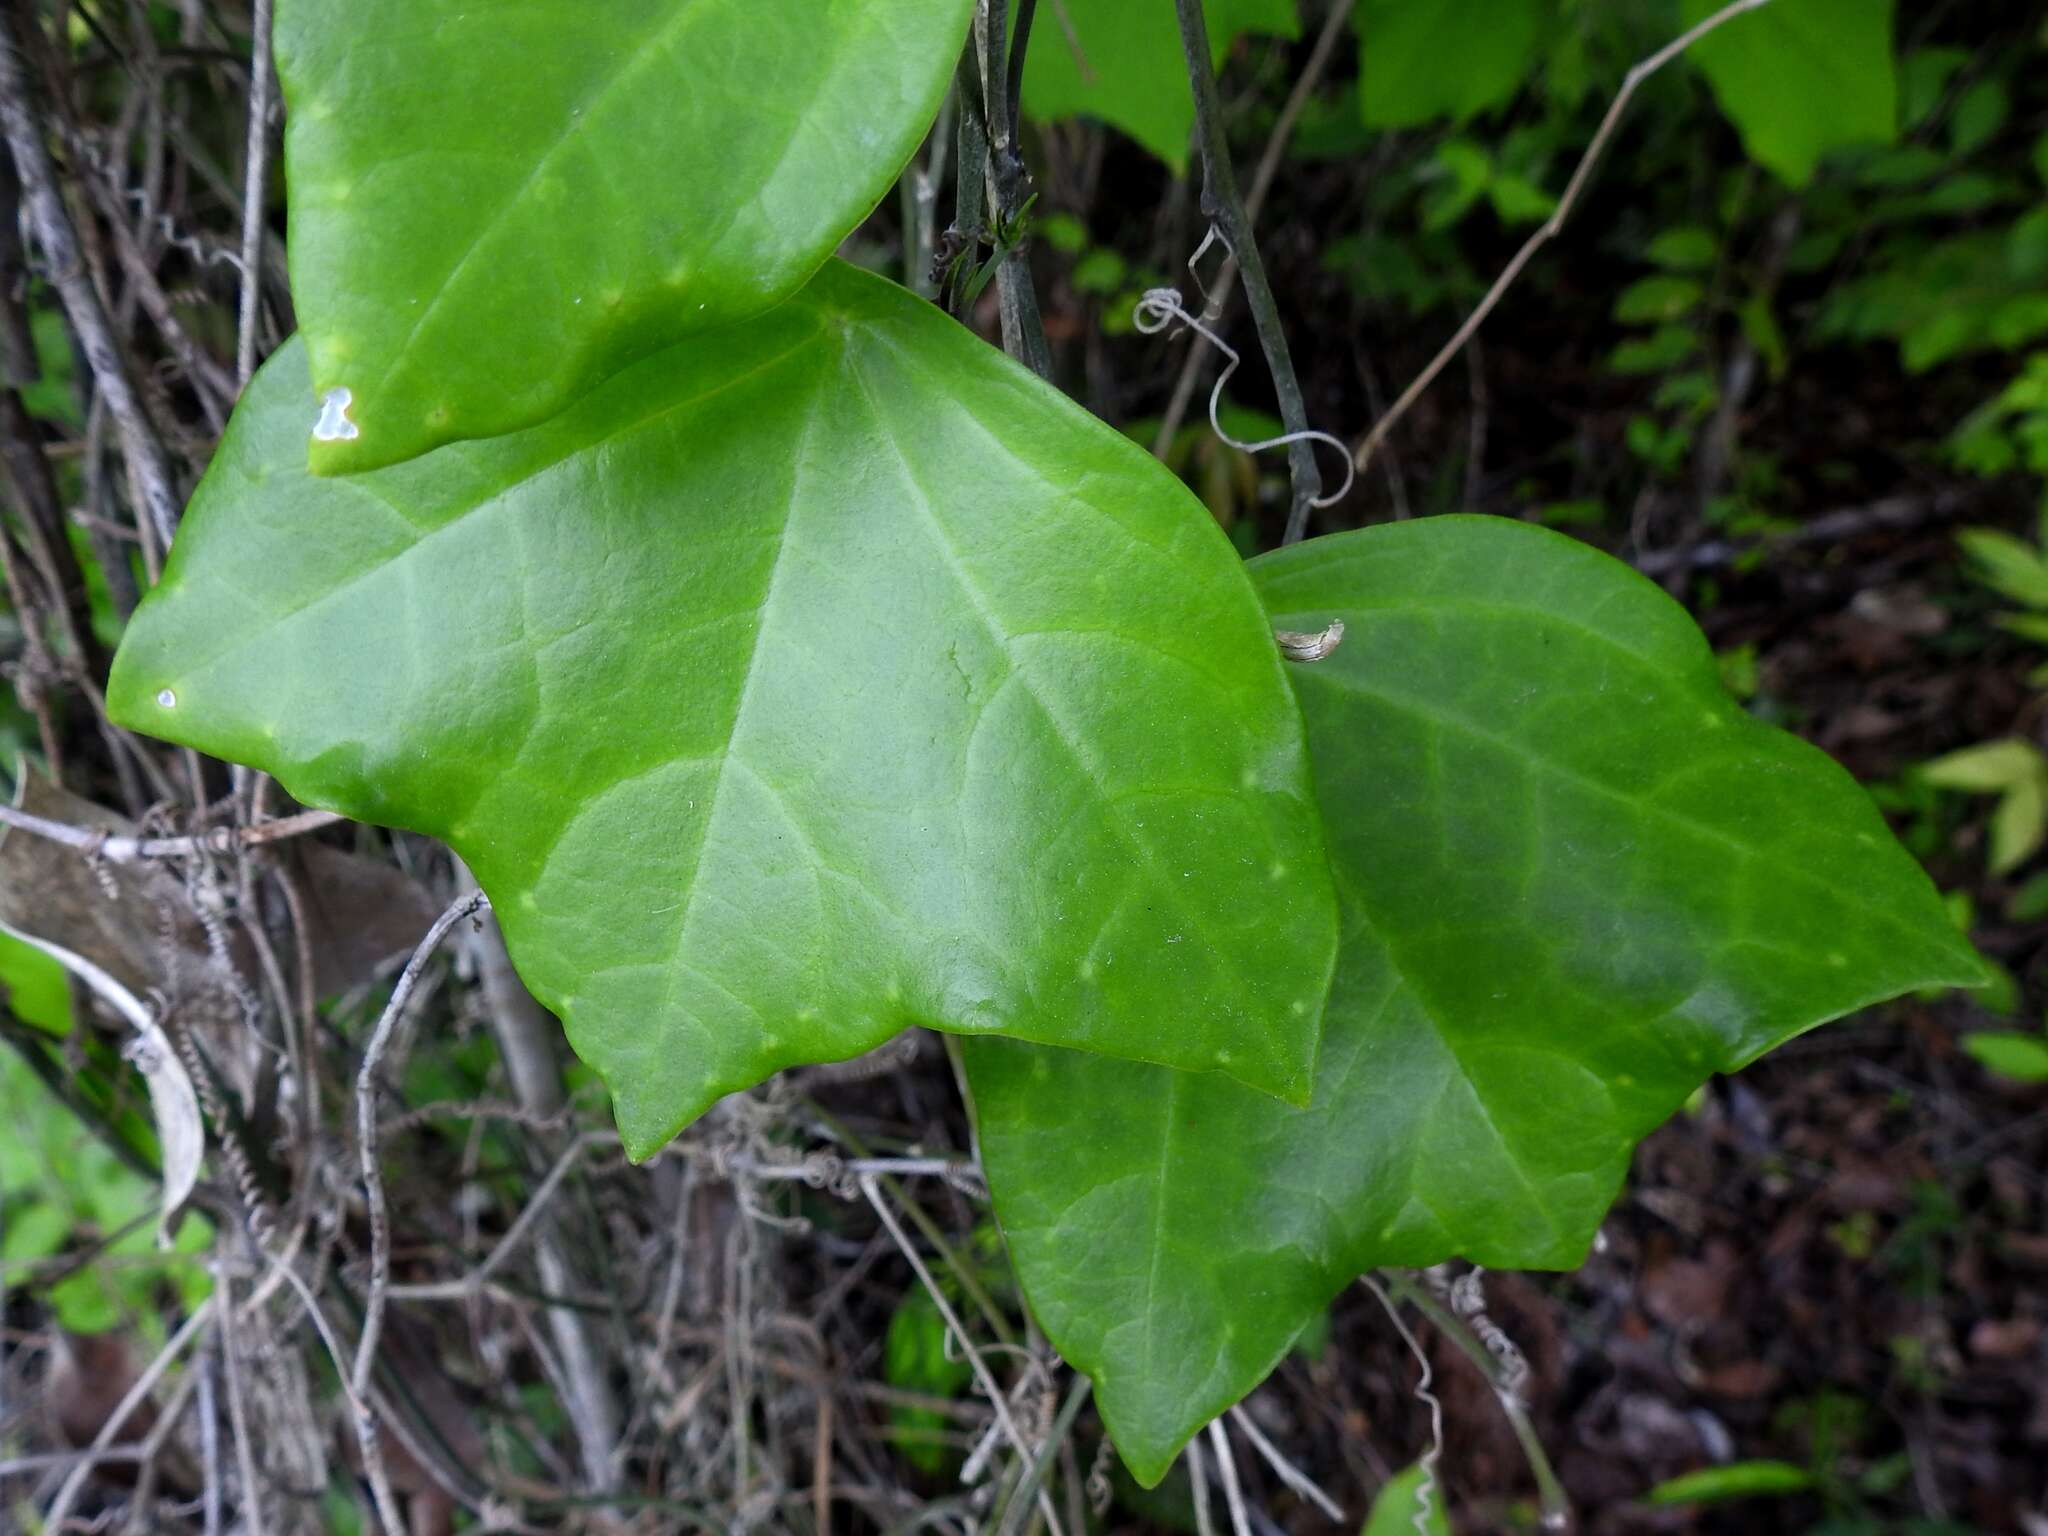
x: 1576, y: 880
x: 1122, y: 62
x: 781, y: 694
x: 1451, y: 59
x: 493, y: 207
x: 1800, y: 79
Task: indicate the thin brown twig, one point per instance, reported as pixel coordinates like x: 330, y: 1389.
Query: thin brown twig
x: 373, y: 1179
x: 260, y: 74
x: 474, y: 1282
x: 127, y: 850
x: 1198, y: 1485
x: 1284, y: 1469
x: 1430, y: 1490
x: 982, y: 1374
x: 1556, y: 1505
x: 143, y: 1385
x: 1548, y: 230
x: 1226, y: 1466
x: 51, y: 226
x: 1002, y: 57
x: 238, y: 1416
x: 373, y: 1456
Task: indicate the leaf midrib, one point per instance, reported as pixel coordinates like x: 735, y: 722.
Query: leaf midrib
x: 731, y: 752
x: 1436, y: 715
x: 1166, y: 889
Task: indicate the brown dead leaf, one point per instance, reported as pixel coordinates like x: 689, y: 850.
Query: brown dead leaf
x: 1741, y: 1379
x: 362, y: 912
x: 134, y: 921
x: 1688, y: 1294
x: 2024, y: 1250
x: 2012, y: 1338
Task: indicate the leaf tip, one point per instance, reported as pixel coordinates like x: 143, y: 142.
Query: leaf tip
x: 647, y: 1110
x: 1148, y: 1463
x: 1972, y: 973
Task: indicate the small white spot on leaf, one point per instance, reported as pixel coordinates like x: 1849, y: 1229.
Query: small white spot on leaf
x: 166, y: 699
x: 334, y: 425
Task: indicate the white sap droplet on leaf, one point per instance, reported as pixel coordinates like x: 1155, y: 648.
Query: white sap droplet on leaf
x: 334, y: 425
x: 166, y: 699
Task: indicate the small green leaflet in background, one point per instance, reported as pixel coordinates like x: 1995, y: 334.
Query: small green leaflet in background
x: 1736, y: 1480
x: 1664, y: 296
x: 1400, y: 1509
x: 494, y: 207
x: 2016, y: 772
x: 57, y: 1182
x: 34, y: 987
x: 2011, y: 1054
x: 1800, y: 78
x: 783, y: 693
x: 1687, y: 248
x: 1451, y: 58
x: 54, y: 395
x: 1576, y: 879
x: 60, y: 1186
x: 917, y: 1356
x: 1979, y: 114
x: 1121, y: 61
x: 2011, y: 567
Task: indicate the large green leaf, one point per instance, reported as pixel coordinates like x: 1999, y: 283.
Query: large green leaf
x: 1121, y: 61
x: 1576, y: 879
x: 783, y: 693
x: 493, y: 207
x: 1802, y: 77
x: 1449, y: 59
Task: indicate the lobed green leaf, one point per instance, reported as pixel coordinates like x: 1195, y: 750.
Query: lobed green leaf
x: 494, y: 207
x: 1454, y: 59
x: 1122, y: 62
x: 781, y: 694
x: 1800, y: 78
x: 1576, y: 880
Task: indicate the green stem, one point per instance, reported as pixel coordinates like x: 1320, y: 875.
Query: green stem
x: 1556, y: 1507
x: 970, y: 185
x: 1225, y: 206
x: 1023, y: 329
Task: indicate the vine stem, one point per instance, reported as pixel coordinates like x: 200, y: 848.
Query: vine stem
x: 997, y: 1400
x: 1225, y: 206
x: 124, y: 1411
x: 1002, y: 75
x: 252, y: 193
x: 1262, y: 182
x: 96, y: 842
x: 1556, y: 1506
x: 373, y: 1187
x: 1547, y: 231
